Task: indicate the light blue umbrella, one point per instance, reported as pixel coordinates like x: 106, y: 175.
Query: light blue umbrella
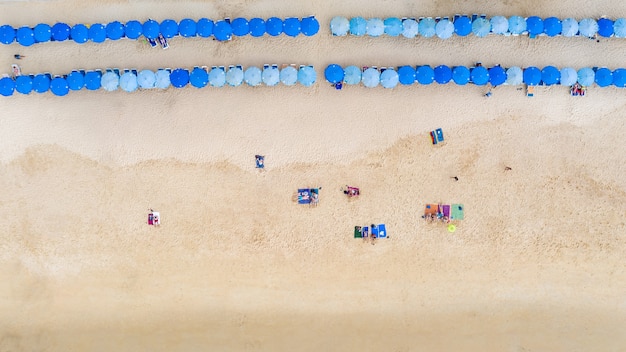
x: 569, y: 76
x: 339, y: 26
x: 352, y: 75
x: 270, y: 76
x: 517, y: 24
x: 198, y: 77
x: 375, y: 27
x: 410, y: 28
x: 427, y: 27
x: 370, y: 77
x: 162, y: 79
x: 252, y: 76
x: 586, y: 76
x: 234, y: 76
x: 128, y: 82
x: 588, y: 27
x: 481, y: 27
x: 514, y: 76
x: 289, y: 76
x: 389, y: 78
x: 444, y: 29
x: 569, y: 27
x: 217, y: 77
x: 619, y: 28
x: 146, y: 79
x: 499, y: 25
x: 358, y: 26
x: 110, y: 81
x: 307, y: 76
x: 393, y: 26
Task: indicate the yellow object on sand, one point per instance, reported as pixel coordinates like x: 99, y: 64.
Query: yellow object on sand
x: 451, y: 228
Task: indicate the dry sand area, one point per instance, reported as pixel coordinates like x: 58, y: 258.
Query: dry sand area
x: 237, y: 265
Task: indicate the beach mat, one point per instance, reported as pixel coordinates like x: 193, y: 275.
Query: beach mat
x: 457, y: 212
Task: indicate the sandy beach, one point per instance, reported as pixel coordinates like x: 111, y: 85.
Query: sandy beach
x: 238, y: 265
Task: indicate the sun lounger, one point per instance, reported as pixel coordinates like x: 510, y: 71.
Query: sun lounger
x: 474, y: 17
x: 456, y: 17
x: 483, y: 16
x: 457, y: 212
x: 162, y: 41
x: 152, y: 42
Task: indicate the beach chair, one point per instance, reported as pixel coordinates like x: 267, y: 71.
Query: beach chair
x: 274, y: 65
x: 456, y: 17
x: 483, y: 16
x: 446, y: 18
x: 134, y: 71
x: 474, y: 17
x: 260, y: 161
x: 152, y: 42
x: 227, y: 20
x: 530, y: 91
x: 358, y: 232
x: 117, y: 71
x: 437, y: 19
x: 266, y: 66
x: 457, y: 212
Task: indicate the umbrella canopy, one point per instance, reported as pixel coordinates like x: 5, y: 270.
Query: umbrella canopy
x: 443, y: 74
x: 234, y: 76
x: 605, y: 27
x: 352, y: 75
x: 252, y: 76
x: 444, y: 29
x: 241, y: 26
x: 23, y: 84
x: 42, y: 33
x: 426, y: 27
x: 339, y: 26
x: 128, y: 82
x: 497, y: 76
x: 274, y: 26
x: 619, y: 78
x: 550, y: 75
x: 25, y: 36
x: 291, y: 26
x: 370, y: 77
x: 75, y: 80
x: 79, y: 33
x: 425, y: 74
x: 481, y: 27
x: 307, y: 76
x: 393, y: 27
x: 552, y: 26
x: 499, y: 25
x: 92, y: 80
x: 289, y: 76
x: 7, y: 34
x: 162, y: 79
x: 150, y: 29
x: 569, y: 76
x: 257, y: 27
x: 97, y: 33
x: 309, y: 26
x: 389, y: 78
x: 169, y: 28
x: 588, y: 27
x: 115, y: 30
x: 133, y: 29
x: 514, y: 76
x: 462, y: 26
x: 532, y: 76
x: 41, y: 83
x: 461, y: 75
x: 217, y: 77
x: 604, y: 77
x: 569, y: 27
x: 333, y: 73
x: 517, y: 24
x: 406, y: 75
x: 7, y: 86
x: 358, y: 26
x: 619, y: 28
x: 534, y: 25
x: 146, y: 79
x: 60, y: 32
x: 479, y: 75
x: 204, y: 27
x: 110, y: 81
x: 179, y: 78
x: 198, y: 77
x: 375, y: 27
x: 222, y: 31
x: 188, y: 27
x: 586, y: 76
x: 59, y: 86
x: 410, y: 28
x: 270, y: 76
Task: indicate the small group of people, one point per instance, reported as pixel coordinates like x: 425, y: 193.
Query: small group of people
x: 365, y: 233
x: 436, y: 217
x: 351, y: 191
x: 578, y: 90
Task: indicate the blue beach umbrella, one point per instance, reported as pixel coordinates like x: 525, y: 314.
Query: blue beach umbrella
x: 291, y: 26
x: 370, y: 77
x: 334, y: 73
x: 150, y: 29
x: 410, y: 28
x: 532, y: 76
x: 75, y: 80
x: 406, y: 75
x: 60, y: 32
x: 479, y: 75
x: 461, y: 75
x: 222, y: 31
x: 41, y: 83
x: 339, y: 26
x: 389, y: 78
x: 499, y: 25
x: 42, y: 33
x: 619, y: 78
x: 110, y: 81
x: 550, y: 75
x: 198, y: 77
x: 514, y: 76
x: 146, y: 79
x: 605, y: 27
x: 7, y: 34
x: 393, y: 27
x: 443, y: 74
x: 274, y: 26
x: 375, y: 27
x: 97, y: 33
x: 552, y: 26
x: 92, y: 80
x: 234, y: 76
x: 462, y: 26
x: 604, y: 77
x: 252, y: 76
x: 588, y: 27
x: 619, y: 28
x: 309, y: 26
x: 217, y: 77
x: 128, y: 82
x: 23, y: 84
x: 79, y: 33
x: 289, y: 76
x: 169, y: 28
x: 204, y: 27
x: 358, y: 26
x: 115, y: 30
x: 517, y: 24
x: 25, y: 36
x: 569, y: 27
x: 444, y: 29
x: 257, y: 27
x: 188, y: 27
x: 569, y: 76
x: 133, y: 29
x: 534, y: 25
x: 424, y: 74
x: 179, y: 78
x: 426, y: 27
x: 352, y: 75
x: 586, y: 76
x: 59, y: 86
x: 7, y: 86
x: 307, y: 76
x: 241, y: 26
x: 481, y: 27
x: 270, y: 76
x: 497, y: 76
x: 162, y: 79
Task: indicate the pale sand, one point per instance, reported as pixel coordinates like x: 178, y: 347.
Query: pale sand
x: 538, y: 264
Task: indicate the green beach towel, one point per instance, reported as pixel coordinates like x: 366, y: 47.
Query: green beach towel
x: 357, y: 232
x: 457, y: 212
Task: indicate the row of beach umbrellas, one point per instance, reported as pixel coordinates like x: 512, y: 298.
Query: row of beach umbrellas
x: 407, y: 75
x: 131, y: 80
x: 221, y: 30
x: 479, y: 26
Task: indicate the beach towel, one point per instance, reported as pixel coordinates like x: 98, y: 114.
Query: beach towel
x: 150, y: 219
x: 315, y: 196
x: 374, y: 231
x: 433, y: 137
x: 260, y: 161
x: 304, y: 196
x: 457, y: 212
x: 439, y: 134
x: 446, y: 210
x: 382, y: 231
x: 365, y: 232
x: 357, y: 232
x: 431, y: 209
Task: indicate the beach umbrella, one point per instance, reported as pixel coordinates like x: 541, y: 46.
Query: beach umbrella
x: 179, y: 78
x: 375, y: 27
x: 461, y: 75
x: 75, y: 80
x: 534, y: 25
x: 309, y: 26
x: 481, y: 27
x: 586, y: 76
x: 204, y: 27
x: 291, y: 26
x: 146, y: 79
x: 79, y: 33
x: 605, y: 27
x: 370, y: 77
x: 150, y: 29
x: 41, y: 83
x: 604, y: 77
x: 274, y: 26
x: 443, y: 74
x: 234, y: 76
x: 462, y: 26
x: 59, y: 86
x: 497, y: 76
x: 358, y: 26
x: 97, y: 33
x: 444, y: 29
x: 115, y: 30
x: 257, y: 27
x: 499, y: 25
x: 252, y: 76
x: 128, y: 82
x: 217, y: 77
x: 393, y: 27
x: 133, y: 29
x: 406, y: 75
x: 479, y: 75
x: 188, y: 27
x: 270, y: 76
x: 162, y: 79
x: 352, y: 75
x: 92, y: 80
x: 333, y: 73
x: 25, y: 36
x: 222, y: 31
x: 532, y: 76
x: 569, y: 76
x: 7, y: 34
x: 307, y: 76
x: 289, y: 76
x: 23, y: 84
x: 7, y: 86
x: 619, y: 78
x: 60, y: 32
x: 426, y: 27
x: 110, y: 81
x: 517, y: 24
x: 550, y: 75
x: 198, y: 77
x: 339, y: 26
x: 424, y: 74
x: 389, y: 78
x: 169, y: 28
x: 410, y: 28
x: 569, y: 27
x: 619, y: 27
x: 588, y: 27
x: 241, y: 26
x: 42, y: 33
x: 514, y: 76
x: 552, y: 26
